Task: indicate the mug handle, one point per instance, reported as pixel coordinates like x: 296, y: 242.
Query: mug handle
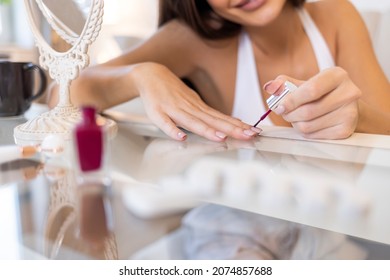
x: 42, y: 75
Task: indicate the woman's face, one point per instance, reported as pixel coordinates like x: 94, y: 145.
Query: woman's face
x: 248, y: 12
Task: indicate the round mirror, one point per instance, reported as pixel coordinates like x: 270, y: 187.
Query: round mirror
x: 76, y: 24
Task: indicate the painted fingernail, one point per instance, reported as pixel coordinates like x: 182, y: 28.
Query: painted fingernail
x: 181, y: 135
x: 249, y: 132
x: 273, y: 86
x: 279, y: 110
x: 256, y: 129
x: 220, y: 135
x: 266, y: 85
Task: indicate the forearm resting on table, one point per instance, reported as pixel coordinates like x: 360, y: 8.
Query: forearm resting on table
x: 372, y: 120
x: 102, y: 87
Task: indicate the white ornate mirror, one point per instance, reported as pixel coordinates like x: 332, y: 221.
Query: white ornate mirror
x: 78, y: 23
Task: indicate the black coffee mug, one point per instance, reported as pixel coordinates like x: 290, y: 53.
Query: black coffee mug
x: 18, y: 86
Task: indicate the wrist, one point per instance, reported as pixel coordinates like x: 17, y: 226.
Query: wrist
x: 142, y: 73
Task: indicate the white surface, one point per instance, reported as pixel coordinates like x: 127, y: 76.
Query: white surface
x: 357, y: 139
x: 150, y: 200
x: 9, y: 153
x: 9, y: 223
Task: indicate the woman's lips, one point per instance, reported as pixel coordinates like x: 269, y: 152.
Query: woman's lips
x: 249, y: 5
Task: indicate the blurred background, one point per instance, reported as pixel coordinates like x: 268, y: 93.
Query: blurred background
x: 125, y: 23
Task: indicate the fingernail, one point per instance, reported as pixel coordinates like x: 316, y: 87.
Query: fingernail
x: 181, y: 135
x: 279, y: 110
x: 266, y: 85
x: 249, y: 132
x: 220, y: 135
x: 273, y: 86
x: 256, y: 129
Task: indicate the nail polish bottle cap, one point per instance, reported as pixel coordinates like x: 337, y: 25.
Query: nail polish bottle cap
x: 274, y: 100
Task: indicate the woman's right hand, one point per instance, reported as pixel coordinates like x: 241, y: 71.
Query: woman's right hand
x: 171, y: 105
x: 323, y: 107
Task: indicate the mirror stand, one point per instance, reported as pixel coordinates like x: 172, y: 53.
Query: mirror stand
x: 63, y: 67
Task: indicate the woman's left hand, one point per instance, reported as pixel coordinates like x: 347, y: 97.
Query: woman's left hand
x: 323, y: 107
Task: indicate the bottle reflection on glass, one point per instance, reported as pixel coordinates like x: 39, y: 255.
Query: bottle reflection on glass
x: 90, y: 151
x: 93, y: 184
x: 93, y: 213
x: 79, y: 225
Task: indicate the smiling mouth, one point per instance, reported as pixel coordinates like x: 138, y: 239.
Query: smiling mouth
x: 249, y: 4
x: 242, y: 3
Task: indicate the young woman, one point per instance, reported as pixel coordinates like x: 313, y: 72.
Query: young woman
x: 235, y: 53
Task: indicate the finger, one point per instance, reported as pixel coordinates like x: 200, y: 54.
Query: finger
x: 230, y: 125
x: 343, y: 95
x: 211, y: 112
x: 276, y: 86
x: 317, y: 87
x: 212, y: 128
x: 333, y: 132
x: 345, y: 119
x: 199, y: 127
x: 165, y: 123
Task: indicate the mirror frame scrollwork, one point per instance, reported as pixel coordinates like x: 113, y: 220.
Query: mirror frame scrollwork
x: 63, y: 67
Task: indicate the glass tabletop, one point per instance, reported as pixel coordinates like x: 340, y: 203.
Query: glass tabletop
x: 269, y: 198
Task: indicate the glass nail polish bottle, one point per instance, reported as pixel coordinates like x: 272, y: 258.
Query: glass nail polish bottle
x: 92, y: 177
x: 89, y: 138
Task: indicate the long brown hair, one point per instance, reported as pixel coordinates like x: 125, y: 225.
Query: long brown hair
x: 199, y: 15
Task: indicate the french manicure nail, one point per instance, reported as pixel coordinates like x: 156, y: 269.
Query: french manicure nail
x: 249, y: 132
x: 266, y: 85
x: 220, y: 135
x: 273, y: 86
x: 256, y: 129
x: 181, y: 135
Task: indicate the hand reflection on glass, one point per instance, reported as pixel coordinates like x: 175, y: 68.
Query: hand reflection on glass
x: 168, y: 157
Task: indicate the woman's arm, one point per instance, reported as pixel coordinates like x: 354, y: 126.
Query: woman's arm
x: 354, y: 96
x: 152, y: 71
x: 111, y: 83
x: 357, y: 57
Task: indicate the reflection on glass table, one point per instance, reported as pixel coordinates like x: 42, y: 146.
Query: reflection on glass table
x: 73, y: 220
x: 275, y: 197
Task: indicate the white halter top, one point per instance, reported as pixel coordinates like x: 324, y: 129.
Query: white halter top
x: 248, y: 105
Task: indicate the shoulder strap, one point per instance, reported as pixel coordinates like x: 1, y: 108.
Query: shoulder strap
x: 320, y: 47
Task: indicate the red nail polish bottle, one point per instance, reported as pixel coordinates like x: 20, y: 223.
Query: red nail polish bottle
x: 93, y: 183
x: 89, y: 141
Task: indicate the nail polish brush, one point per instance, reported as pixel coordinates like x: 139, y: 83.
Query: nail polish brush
x: 274, y: 100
